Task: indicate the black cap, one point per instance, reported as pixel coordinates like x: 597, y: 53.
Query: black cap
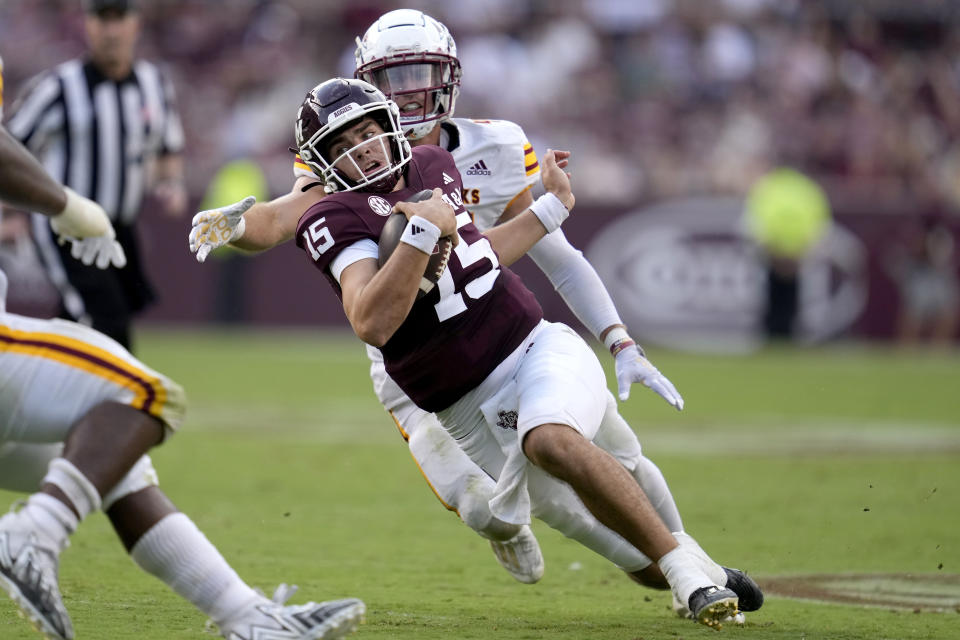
x: 102, y: 6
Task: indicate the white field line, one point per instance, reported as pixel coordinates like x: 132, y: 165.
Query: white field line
x: 819, y: 438
x: 346, y: 422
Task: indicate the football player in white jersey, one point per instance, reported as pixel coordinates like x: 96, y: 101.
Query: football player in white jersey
x: 77, y: 415
x: 412, y: 58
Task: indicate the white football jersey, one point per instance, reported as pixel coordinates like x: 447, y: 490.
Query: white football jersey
x: 495, y: 160
x: 496, y: 163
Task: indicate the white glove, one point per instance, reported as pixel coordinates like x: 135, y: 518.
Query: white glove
x: 632, y: 366
x: 103, y: 250
x: 216, y: 227
x: 81, y: 218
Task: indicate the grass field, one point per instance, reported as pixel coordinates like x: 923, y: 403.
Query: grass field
x: 785, y: 463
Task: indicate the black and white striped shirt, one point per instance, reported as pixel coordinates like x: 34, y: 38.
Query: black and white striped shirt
x: 100, y: 136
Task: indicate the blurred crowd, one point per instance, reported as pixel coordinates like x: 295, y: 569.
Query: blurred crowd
x: 657, y: 98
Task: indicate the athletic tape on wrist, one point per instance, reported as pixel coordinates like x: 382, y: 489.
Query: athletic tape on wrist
x: 421, y: 234
x: 615, y: 334
x: 618, y: 339
x: 239, y: 230
x: 82, y: 217
x: 550, y: 211
x: 78, y: 489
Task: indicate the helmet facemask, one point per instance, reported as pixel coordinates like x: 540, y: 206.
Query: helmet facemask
x: 429, y: 82
x: 390, y: 145
x: 411, y: 57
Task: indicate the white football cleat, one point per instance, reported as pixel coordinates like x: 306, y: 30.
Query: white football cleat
x: 520, y: 556
x: 272, y: 620
x: 28, y: 573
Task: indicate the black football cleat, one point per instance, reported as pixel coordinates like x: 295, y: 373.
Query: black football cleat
x: 711, y: 606
x: 749, y: 594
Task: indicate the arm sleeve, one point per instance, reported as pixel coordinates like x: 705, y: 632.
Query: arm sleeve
x: 576, y: 281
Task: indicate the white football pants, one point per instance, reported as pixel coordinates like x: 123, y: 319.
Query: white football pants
x: 52, y: 372
x: 462, y: 486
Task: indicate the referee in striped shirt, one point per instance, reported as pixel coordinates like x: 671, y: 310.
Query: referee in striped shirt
x: 106, y: 126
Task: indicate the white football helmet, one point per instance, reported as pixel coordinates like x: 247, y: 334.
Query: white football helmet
x: 338, y: 103
x: 412, y: 58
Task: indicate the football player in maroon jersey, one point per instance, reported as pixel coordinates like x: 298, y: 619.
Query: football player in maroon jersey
x: 523, y: 397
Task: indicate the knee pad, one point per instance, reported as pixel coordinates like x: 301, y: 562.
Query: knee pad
x: 141, y: 475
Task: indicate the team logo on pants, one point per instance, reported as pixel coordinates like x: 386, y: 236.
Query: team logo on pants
x: 507, y: 420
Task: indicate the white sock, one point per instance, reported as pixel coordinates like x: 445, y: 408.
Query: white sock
x: 53, y: 520
x: 682, y: 573
x: 706, y: 564
x: 178, y: 553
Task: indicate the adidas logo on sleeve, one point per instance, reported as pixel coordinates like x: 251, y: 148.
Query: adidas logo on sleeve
x: 479, y: 169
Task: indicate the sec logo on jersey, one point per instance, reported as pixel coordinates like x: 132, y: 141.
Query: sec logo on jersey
x: 379, y: 206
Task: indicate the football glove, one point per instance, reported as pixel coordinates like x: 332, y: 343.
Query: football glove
x: 632, y: 366
x: 103, y: 251
x: 216, y: 227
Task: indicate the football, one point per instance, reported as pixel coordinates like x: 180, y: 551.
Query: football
x: 390, y: 238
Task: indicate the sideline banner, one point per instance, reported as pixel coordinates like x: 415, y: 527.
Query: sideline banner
x: 685, y: 275
x: 681, y: 272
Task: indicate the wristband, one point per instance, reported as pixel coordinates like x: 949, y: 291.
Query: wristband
x: 550, y: 211
x: 617, y: 340
x: 239, y: 230
x: 421, y: 234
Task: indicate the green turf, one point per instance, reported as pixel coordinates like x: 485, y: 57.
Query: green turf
x: 784, y: 462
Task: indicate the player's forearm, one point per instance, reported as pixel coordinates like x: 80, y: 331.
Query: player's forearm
x: 544, y: 215
x: 267, y: 225
x: 577, y: 282
x: 384, y: 302
x: 275, y: 222
x: 24, y: 183
x: 512, y: 239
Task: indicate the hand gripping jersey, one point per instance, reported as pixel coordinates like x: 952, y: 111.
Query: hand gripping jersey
x: 478, y: 313
x: 495, y: 160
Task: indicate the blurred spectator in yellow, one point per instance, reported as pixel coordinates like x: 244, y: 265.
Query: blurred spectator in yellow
x: 786, y: 214
x: 234, y: 181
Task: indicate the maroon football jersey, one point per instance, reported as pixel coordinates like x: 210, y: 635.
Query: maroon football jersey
x: 478, y: 313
